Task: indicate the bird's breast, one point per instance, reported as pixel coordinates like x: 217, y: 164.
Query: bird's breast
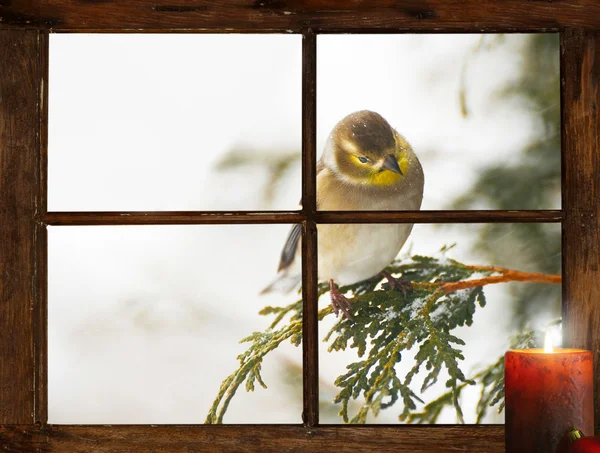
x: 350, y: 253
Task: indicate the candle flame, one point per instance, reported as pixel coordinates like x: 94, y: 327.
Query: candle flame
x: 548, y: 343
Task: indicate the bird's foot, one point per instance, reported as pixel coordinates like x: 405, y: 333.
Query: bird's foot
x: 404, y: 286
x: 339, y: 302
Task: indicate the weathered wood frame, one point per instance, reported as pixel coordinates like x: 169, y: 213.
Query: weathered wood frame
x: 24, y: 29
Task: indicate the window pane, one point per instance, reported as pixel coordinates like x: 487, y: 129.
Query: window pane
x: 174, y: 122
x: 145, y: 324
x: 443, y: 285
x: 480, y: 112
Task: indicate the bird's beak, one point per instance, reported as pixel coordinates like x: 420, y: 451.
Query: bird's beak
x: 390, y: 163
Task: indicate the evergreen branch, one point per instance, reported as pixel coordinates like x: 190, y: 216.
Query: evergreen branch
x: 445, y: 294
x: 250, y: 365
x: 491, y: 381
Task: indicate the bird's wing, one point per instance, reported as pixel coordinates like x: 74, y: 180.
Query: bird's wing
x: 320, y: 166
x: 288, y: 254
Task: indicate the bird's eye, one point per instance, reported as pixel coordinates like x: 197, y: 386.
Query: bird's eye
x: 363, y: 160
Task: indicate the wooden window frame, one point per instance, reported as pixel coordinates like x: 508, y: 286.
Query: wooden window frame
x: 24, y: 29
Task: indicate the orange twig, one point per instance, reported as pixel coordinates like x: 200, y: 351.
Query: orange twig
x: 506, y: 275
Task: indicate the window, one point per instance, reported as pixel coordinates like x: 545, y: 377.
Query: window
x: 23, y: 82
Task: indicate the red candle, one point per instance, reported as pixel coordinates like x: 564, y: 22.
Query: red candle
x: 546, y: 394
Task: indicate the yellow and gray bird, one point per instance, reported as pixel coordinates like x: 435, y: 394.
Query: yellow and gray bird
x: 366, y: 166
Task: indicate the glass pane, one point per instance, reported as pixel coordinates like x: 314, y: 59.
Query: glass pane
x: 174, y: 122
x: 475, y: 119
x: 491, y: 286
x: 145, y: 324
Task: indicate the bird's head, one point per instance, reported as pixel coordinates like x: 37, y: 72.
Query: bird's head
x: 364, y: 149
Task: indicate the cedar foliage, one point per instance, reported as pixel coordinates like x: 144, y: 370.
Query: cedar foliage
x: 384, y: 324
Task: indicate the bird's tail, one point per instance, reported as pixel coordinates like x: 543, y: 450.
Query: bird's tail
x: 283, y: 283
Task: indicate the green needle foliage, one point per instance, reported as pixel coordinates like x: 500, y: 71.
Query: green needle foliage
x: 384, y: 324
x: 490, y: 380
x: 251, y: 360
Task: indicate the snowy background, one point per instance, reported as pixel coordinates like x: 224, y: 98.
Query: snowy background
x: 144, y: 322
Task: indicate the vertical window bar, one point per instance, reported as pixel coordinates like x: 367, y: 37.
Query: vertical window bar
x: 20, y: 74
x: 40, y: 316
x: 580, y: 51
x: 310, y: 330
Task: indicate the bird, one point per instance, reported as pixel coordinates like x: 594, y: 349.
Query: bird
x: 366, y: 165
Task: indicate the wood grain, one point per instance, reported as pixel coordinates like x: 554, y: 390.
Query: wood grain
x: 40, y: 311
x: 438, y: 216
x: 309, y: 124
x: 20, y: 75
x: 23, y: 127
x: 580, y: 51
x: 215, y: 217
x: 253, y: 439
x: 170, y: 218
x: 298, y: 15
x: 310, y: 295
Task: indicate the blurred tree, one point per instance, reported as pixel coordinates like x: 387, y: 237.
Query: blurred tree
x: 277, y: 162
x: 534, y: 182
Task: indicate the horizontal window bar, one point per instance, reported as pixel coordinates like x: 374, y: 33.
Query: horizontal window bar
x: 437, y: 216
x: 255, y: 438
x: 433, y: 15
x: 316, y: 30
x: 251, y: 217
x: 170, y: 217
